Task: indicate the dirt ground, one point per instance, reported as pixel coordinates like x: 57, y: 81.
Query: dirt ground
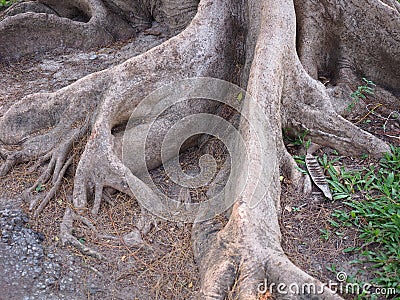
x: 163, y: 267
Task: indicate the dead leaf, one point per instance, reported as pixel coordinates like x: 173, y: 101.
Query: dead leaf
x: 288, y: 208
x: 317, y: 175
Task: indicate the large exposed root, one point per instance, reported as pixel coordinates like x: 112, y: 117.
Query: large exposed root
x: 173, y: 60
x: 331, y: 37
x: 72, y: 24
x: 314, y: 113
x: 241, y: 255
x: 36, y: 27
x: 252, y: 270
x: 45, y: 128
x: 111, y: 101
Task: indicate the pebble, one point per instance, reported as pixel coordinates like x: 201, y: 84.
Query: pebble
x: 26, y: 270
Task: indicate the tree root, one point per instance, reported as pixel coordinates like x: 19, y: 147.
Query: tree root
x: 56, y: 168
x: 348, y: 107
x: 66, y: 228
x: 241, y: 255
x: 99, y: 166
x: 248, y: 263
x: 314, y: 113
x: 36, y: 27
x: 39, y: 146
x: 82, y: 24
x: 50, y: 194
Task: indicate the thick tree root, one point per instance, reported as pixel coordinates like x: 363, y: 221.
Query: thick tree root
x: 329, y: 41
x: 314, y: 113
x: 22, y: 33
x: 238, y: 257
x: 66, y: 228
x: 39, y: 26
x: 99, y: 166
x: 241, y: 255
x: 248, y: 263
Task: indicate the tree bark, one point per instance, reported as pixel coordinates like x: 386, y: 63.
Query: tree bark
x: 282, y: 49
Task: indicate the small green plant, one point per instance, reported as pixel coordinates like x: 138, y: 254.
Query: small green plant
x: 343, y: 182
x: 325, y: 234
x: 375, y: 214
x: 301, y: 163
x: 361, y: 93
x: 40, y: 188
x: 299, y: 140
x: 326, y: 163
x: 6, y: 3
x: 332, y: 268
x: 296, y: 208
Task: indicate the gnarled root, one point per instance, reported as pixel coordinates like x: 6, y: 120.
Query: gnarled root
x: 38, y: 27
x: 104, y: 100
x: 56, y: 168
x: 45, y: 128
x: 100, y: 165
x: 249, y: 263
x: 247, y: 249
x: 238, y: 257
x: 66, y: 228
x: 314, y: 113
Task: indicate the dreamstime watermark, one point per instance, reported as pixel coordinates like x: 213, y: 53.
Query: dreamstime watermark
x: 177, y: 112
x: 340, y: 286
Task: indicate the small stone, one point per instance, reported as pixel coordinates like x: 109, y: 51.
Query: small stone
x: 50, y: 281
x: 41, y: 285
x: 93, y: 289
x: 133, y: 238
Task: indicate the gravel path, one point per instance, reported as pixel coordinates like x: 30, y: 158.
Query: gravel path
x: 30, y: 271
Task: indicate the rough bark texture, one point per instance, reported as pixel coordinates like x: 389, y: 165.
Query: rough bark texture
x: 36, y: 26
x: 282, y: 48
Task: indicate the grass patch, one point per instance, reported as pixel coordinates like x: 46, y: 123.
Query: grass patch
x: 372, y: 199
x: 6, y: 3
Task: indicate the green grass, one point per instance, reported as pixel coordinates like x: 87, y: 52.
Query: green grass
x: 6, y: 3
x: 361, y: 93
x: 372, y: 199
x: 297, y: 140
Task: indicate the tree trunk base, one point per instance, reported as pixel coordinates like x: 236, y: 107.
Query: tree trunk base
x: 280, y: 75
